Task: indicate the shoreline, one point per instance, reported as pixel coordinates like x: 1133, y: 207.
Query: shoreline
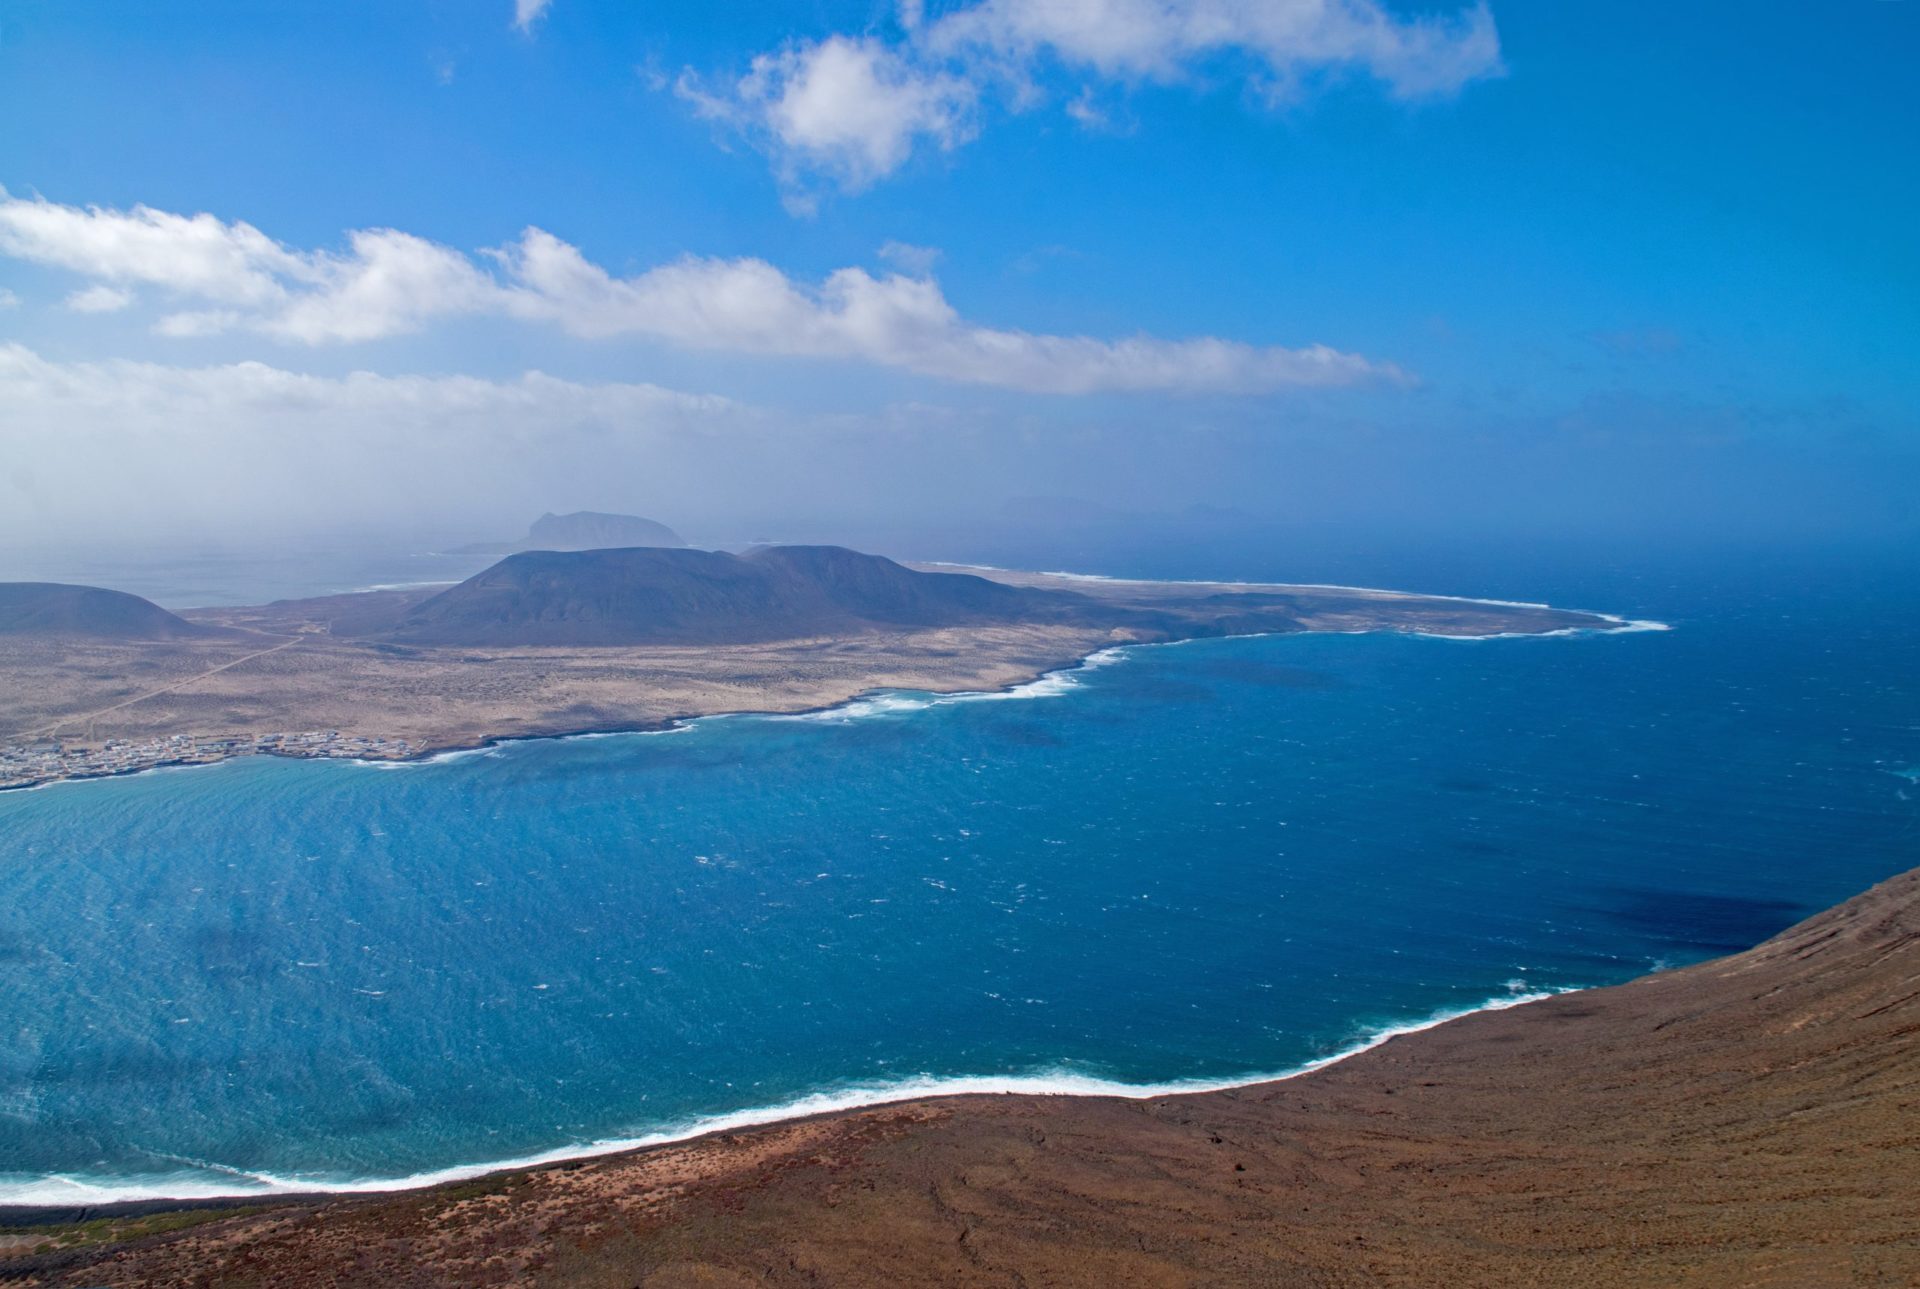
x: 30, y: 1195
x: 428, y: 753
x: 1621, y: 623
x: 1743, y: 1120
x: 666, y: 725
x: 37, y: 1199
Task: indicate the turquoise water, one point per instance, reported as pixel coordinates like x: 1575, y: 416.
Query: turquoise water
x: 1199, y: 862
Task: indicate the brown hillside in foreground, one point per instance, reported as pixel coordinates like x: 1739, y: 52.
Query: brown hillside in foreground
x: 1750, y: 1121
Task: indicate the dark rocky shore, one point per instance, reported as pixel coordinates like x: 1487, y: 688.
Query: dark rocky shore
x: 1754, y: 1120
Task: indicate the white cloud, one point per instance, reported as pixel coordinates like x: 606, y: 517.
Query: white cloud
x: 193, y: 323
x: 908, y: 258
x: 99, y: 299
x: 28, y: 380
x: 853, y: 110
x: 197, y: 254
x: 8, y: 300
x: 390, y: 283
x: 1083, y: 109
x: 206, y: 449
x: 895, y: 321
x: 1286, y: 39
x: 528, y: 12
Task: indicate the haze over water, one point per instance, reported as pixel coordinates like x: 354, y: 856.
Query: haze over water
x: 1201, y: 862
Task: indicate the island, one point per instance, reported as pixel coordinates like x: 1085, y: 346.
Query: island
x: 547, y: 643
x: 1746, y: 1121
x: 581, y: 530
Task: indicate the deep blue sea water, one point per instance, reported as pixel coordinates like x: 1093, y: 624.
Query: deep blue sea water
x: 1199, y: 862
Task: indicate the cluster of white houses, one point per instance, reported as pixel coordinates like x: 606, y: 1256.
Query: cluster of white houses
x: 23, y: 765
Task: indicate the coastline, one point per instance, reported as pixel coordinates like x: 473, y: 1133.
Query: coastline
x: 1622, y: 624
x: 429, y: 749
x: 57, y: 1192
x: 432, y: 754
x: 60, y: 1192
x: 1745, y: 1120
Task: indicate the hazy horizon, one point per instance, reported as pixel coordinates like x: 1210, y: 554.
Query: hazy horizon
x: 1594, y: 273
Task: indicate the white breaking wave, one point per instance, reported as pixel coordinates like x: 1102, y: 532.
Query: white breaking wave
x: 438, y: 758
x: 1102, y: 577
x: 497, y: 748
x: 1621, y: 627
x: 894, y: 702
x: 400, y: 586
x: 63, y: 1191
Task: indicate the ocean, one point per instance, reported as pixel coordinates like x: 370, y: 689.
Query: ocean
x: 1180, y: 866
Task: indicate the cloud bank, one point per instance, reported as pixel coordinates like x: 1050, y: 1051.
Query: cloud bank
x: 255, y: 449
x: 223, y: 277
x: 853, y: 109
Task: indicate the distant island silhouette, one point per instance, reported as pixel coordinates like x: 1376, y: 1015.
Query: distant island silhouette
x: 579, y: 531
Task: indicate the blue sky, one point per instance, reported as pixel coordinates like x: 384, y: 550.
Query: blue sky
x: 1569, y: 264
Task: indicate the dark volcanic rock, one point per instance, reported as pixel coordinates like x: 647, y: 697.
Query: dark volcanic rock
x: 58, y: 609
x: 651, y: 595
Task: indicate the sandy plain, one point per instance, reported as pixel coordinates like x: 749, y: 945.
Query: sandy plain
x: 307, y: 668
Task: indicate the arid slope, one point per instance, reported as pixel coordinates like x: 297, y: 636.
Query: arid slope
x: 57, y: 610
x: 1751, y: 1121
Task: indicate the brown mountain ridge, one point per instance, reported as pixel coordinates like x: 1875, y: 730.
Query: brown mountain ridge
x: 653, y: 595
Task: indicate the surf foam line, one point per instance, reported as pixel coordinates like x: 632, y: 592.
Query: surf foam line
x: 1063, y: 680
x: 59, y: 1190
x: 888, y: 702
x: 494, y: 749
x: 397, y: 586
x: 1621, y: 626
x: 883, y: 702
